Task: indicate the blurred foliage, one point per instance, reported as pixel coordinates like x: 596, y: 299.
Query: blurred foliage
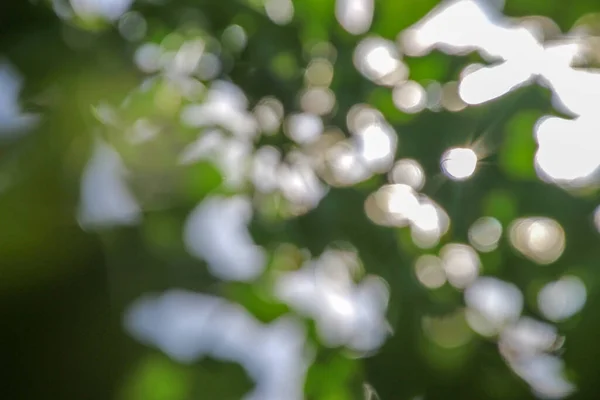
x: 64, y: 288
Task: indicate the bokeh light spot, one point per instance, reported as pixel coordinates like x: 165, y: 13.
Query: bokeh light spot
x: 459, y: 163
x: 485, y: 233
x: 540, y: 239
x: 461, y: 264
x: 430, y: 271
x: 409, y: 97
x: 562, y: 299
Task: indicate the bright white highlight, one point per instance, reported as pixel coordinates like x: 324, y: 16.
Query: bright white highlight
x: 461, y: 264
x: 430, y: 271
x: 568, y: 150
x: 492, y: 305
x: 378, y: 60
x: 562, y: 299
x: 485, y: 233
x: 540, y: 239
x: 409, y: 97
x: 355, y: 16
x: 459, y: 163
x: 105, y: 197
x: 110, y: 10
x: 216, y: 231
x: 304, y: 128
x: 190, y: 326
x: 408, y: 172
x: 345, y: 313
x: 12, y: 119
x: 280, y: 11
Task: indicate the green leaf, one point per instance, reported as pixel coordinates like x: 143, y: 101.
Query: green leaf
x: 200, y: 179
x: 517, y: 154
x: 157, y: 378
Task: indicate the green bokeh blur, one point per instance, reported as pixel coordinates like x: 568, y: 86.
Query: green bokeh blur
x: 63, y: 289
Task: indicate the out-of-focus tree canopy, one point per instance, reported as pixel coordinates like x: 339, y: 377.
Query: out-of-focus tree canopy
x: 299, y: 199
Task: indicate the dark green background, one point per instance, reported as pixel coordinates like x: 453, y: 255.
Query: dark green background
x: 63, y: 290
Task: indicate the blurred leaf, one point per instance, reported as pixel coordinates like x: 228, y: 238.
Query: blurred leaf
x: 200, y: 179
x: 157, y: 378
x: 393, y: 16
x: 500, y: 205
x: 257, y: 300
x: 330, y: 379
x: 284, y: 66
x: 518, y: 149
x: 434, y: 66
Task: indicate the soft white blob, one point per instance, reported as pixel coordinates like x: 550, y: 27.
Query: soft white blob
x: 456, y: 26
x: 528, y: 337
x: 376, y: 145
x: 143, y: 130
x: 304, y: 128
x: 263, y: 174
x: 378, y: 60
x: 62, y: 8
x: 462, y: 26
x: 496, y: 303
x: 469, y: 69
x: 525, y: 346
x: 450, y: 99
x: 147, y: 57
x: 188, y: 57
x: 209, y: 67
x: 575, y: 91
x: 428, y: 224
x: 110, y: 10
x: 425, y: 217
x: 299, y: 183
x: 373, y: 138
x: 489, y: 83
x: 538, y: 238
x: 280, y: 11
x: 225, y: 106
x: 234, y: 38
x: 568, y: 151
x: 545, y: 374
x: 355, y: 16
x: 105, y: 199
x: 485, y: 233
x: 346, y: 164
x: 433, y: 96
x: 461, y: 264
x: 409, y: 172
x: 562, y: 299
x: 216, y: 231
x: 526, y: 59
x: 459, y: 163
x: 430, y: 271
x: 399, y: 202
x: 269, y: 114
x: 319, y: 72
x: 409, y: 97
x: 233, y: 158
x: 189, y: 326
x: 361, y: 116
x: 207, y: 144
x: 12, y: 119
x: 317, y: 100
x: 346, y: 314
x: 133, y: 26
